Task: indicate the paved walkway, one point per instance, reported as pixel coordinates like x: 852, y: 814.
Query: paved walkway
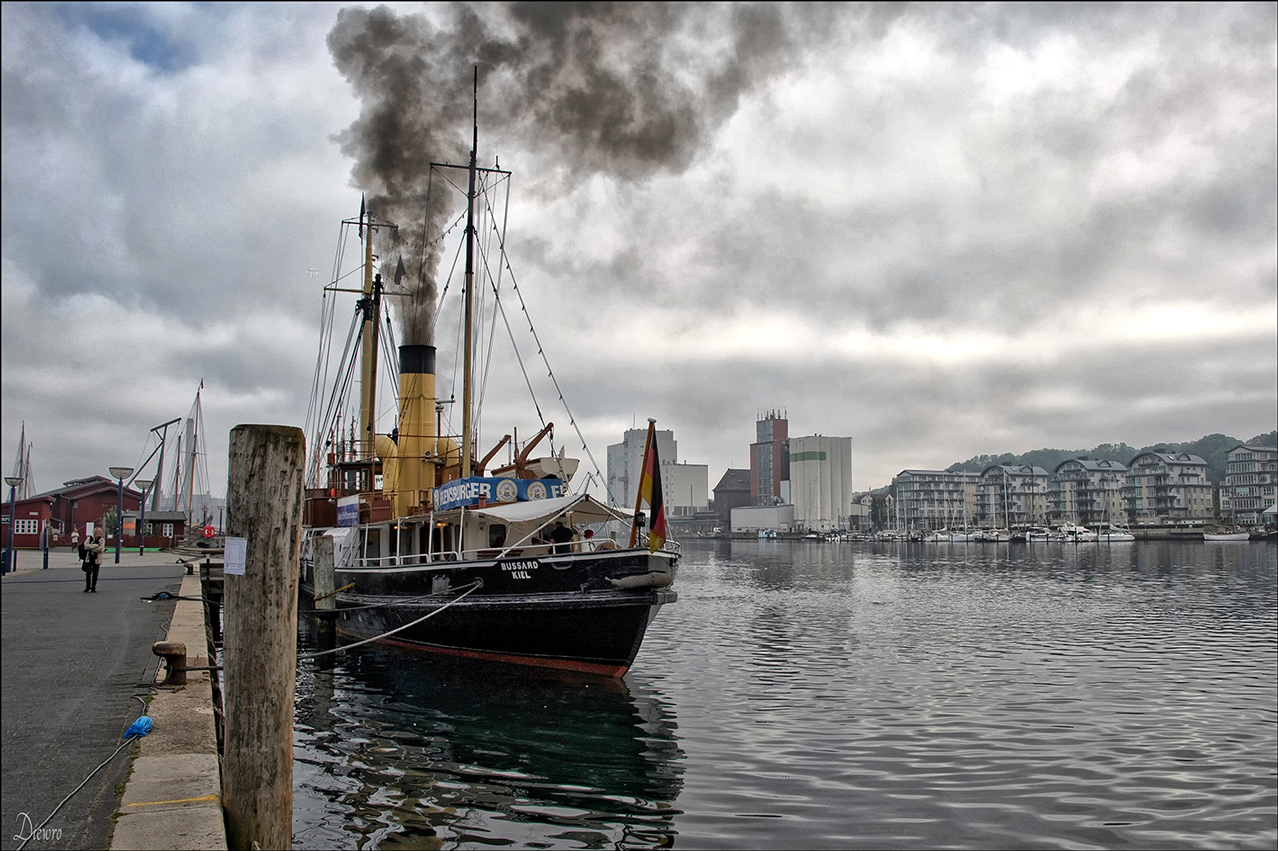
x: 69, y: 665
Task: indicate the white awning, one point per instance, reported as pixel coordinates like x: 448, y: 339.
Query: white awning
x: 584, y: 509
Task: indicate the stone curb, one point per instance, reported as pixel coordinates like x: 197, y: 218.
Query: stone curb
x: 173, y: 798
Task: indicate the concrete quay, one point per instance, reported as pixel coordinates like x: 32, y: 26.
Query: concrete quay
x: 76, y: 671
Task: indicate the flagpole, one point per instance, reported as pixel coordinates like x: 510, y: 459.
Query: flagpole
x: 647, y: 447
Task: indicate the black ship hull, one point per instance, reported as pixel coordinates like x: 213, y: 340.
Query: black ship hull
x: 583, y: 611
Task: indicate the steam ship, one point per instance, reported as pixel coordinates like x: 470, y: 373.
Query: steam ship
x: 432, y: 550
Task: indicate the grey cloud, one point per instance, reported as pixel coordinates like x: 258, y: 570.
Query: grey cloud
x: 203, y: 209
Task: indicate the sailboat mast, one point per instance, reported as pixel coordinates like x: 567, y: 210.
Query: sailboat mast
x: 190, y: 468
x: 467, y: 425
x: 368, y: 352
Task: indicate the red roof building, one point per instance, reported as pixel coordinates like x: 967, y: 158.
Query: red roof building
x: 75, y: 505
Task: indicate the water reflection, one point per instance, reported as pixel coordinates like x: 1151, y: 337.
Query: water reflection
x: 839, y: 696
x: 397, y: 749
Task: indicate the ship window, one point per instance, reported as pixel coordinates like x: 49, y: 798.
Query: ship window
x: 372, y: 545
x: 497, y: 535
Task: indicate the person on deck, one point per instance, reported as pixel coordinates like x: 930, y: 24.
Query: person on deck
x: 94, y: 547
x: 562, y: 536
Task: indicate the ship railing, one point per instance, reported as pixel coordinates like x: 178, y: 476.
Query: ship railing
x: 444, y: 558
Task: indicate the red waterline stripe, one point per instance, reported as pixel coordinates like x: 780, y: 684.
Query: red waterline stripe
x: 615, y: 671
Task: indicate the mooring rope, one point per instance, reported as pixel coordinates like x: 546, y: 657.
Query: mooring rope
x: 474, y: 587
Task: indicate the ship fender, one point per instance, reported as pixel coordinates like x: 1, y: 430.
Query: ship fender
x: 652, y: 579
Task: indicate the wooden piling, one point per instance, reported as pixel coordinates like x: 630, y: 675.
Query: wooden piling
x: 264, y: 505
x: 325, y: 574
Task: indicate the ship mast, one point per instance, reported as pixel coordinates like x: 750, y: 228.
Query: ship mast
x: 467, y: 425
x: 368, y: 354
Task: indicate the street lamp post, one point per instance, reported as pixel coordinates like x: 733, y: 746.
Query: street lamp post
x: 119, y: 474
x: 145, y: 484
x: 12, y: 482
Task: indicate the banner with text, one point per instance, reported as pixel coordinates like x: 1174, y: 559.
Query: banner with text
x: 495, y: 490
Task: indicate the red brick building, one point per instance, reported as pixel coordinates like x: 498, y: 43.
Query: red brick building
x: 73, y: 506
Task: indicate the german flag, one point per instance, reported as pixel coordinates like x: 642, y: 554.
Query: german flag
x: 650, y: 491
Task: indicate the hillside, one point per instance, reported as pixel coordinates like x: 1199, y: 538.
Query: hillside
x: 1211, y: 448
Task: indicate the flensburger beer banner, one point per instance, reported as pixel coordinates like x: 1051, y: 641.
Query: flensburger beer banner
x: 348, y: 510
x: 495, y: 491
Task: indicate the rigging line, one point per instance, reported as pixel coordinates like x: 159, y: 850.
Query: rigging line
x: 439, y: 302
x: 541, y: 351
x: 484, y: 213
x: 520, y: 360
x: 331, y: 410
x: 391, y: 356
x: 491, y: 232
x: 327, y: 312
x: 475, y: 586
x: 321, y: 372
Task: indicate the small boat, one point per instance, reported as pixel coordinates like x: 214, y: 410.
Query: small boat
x: 1037, y: 535
x: 1071, y: 533
x: 1111, y: 534
x: 1227, y: 536
x: 421, y: 547
x: 939, y: 536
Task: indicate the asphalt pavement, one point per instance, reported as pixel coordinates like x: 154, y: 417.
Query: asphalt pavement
x: 70, y: 663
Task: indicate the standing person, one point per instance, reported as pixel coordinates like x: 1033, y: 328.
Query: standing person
x: 75, y: 539
x: 562, y: 536
x: 94, y: 547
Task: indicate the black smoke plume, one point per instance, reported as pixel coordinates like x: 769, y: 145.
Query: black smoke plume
x: 628, y: 90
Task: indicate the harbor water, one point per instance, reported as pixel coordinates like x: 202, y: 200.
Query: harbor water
x: 804, y: 694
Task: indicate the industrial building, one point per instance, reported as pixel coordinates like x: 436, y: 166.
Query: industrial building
x: 821, y: 482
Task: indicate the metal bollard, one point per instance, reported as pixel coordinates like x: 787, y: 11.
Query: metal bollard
x: 174, y: 655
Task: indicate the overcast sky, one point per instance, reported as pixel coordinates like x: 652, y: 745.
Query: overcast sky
x: 939, y: 230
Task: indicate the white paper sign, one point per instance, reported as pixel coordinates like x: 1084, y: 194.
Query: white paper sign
x: 234, y: 556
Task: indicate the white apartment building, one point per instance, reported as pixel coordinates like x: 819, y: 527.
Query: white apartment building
x: 821, y: 482
x: 1251, y: 477
x: 1012, y: 496
x: 684, y: 487
x: 935, y: 499
x: 1169, y: 488
x: 1088, y: 491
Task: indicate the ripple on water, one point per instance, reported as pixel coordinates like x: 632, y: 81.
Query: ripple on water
x: 839, y: 696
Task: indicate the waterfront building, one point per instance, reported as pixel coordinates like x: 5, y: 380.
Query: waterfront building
x: 821, y: 482
x: 625, y: 462
x: 770, y: 460
x: 684, y: 487
x: 935, y: 499
x: 733, y: 491
x: 1087, y: 491
x: 1168, y: 488
x: 1251, y: 477
x: 78, y: 504
x: 1012, y: 496
x: 759, y: 518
